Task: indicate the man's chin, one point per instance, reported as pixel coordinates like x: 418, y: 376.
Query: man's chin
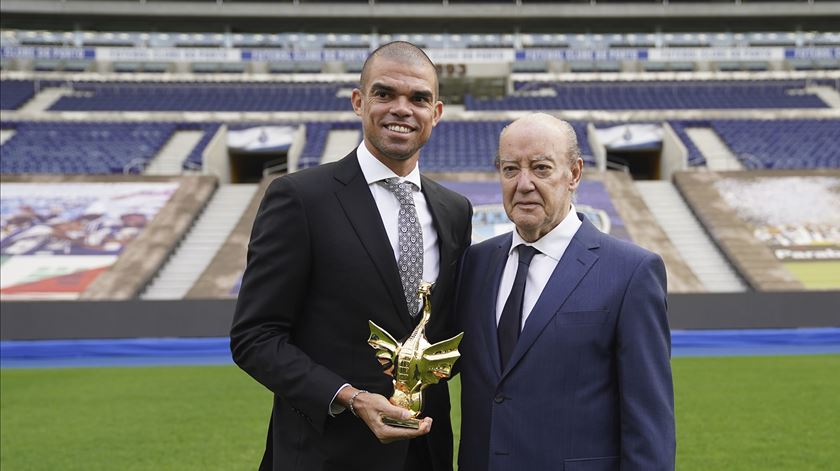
x: 399, y: 154
x: 528, y: 223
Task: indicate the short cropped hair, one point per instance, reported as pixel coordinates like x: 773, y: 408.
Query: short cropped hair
x: 400, y: 51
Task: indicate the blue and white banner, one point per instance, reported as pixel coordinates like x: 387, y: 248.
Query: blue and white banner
x: 631, y: 136
x: 471, y: 56
x: 284, y: 55
x: 690, y: 54
x: 262, y: 139
x: 170, y: 54
x: 48, y: 53
x: 813, y: 53
x: 439, y: 56
x: 581, y: 54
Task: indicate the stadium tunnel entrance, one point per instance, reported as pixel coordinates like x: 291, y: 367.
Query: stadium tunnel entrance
x: 642, y: 164
x: 255, y: 152
x: 639, y: 149
x: 251, y: 167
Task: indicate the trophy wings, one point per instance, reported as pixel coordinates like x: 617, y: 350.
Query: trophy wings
x: 384, y: 344
x: 439, y: 358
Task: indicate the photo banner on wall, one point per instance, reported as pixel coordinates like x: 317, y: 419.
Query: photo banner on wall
x: 55, y: 239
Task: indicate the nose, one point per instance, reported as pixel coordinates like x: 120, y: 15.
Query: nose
x: 400, y: 107
x: 524, y: 184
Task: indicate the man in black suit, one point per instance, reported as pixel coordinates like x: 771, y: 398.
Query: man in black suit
x: 326, y: 255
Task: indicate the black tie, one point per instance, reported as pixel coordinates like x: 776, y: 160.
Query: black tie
x: 511, y: 320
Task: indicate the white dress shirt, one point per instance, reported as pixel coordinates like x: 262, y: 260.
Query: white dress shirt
x: 551, y: 247
x: 389, y: 208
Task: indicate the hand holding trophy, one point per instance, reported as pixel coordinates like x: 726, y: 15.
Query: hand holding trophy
x: 414, y: 363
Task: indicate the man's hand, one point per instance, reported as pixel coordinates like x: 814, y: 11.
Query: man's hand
x: 371, y: 407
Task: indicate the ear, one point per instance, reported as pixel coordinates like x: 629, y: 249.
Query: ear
x: 438, y: 113
x: 356, y: 101
x: 577, y: 172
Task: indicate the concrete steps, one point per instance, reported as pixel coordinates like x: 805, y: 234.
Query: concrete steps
x: 168, y: 161
x: 691, y: 241
x: 200, y: 245
x: 717, y: 153
x: 44, y: 99
x: 339, y: 143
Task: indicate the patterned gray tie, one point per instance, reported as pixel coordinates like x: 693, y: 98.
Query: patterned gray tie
x: 410, y: 260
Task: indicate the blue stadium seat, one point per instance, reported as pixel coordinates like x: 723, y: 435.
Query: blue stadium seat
x: 713, y: 94
x: 14, y: 93
x: 82, y: 147
x: 191, y: 96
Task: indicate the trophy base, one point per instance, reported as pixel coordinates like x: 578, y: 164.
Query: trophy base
x: 402, y: 423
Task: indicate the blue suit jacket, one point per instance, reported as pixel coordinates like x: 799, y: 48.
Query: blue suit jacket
x: 588, y: 386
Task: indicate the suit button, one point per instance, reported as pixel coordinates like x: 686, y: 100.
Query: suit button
x: 499, y: 399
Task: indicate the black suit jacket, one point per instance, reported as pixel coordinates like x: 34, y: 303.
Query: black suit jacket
x: 319, y: 267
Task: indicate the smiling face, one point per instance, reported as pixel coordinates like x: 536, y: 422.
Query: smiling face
x: 399, y: 108
x: 537, y: 178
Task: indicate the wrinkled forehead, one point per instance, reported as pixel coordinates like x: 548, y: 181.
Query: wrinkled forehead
x: 533, y: 142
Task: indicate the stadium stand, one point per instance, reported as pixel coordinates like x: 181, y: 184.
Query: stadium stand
x: 101, y: 87
x: 14, y: 93
x: 194, y: 160
x: 695, y: 157
x: 783, y: 144
x: 207, y: 96
x: 653, y: 95
x: 120, y: 119
x: 92, y: 147
x: 771, y: 144
x: 316, y: 140
x: 81, y: 148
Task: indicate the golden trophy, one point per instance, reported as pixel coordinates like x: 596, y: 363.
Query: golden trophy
x: 418, y: 364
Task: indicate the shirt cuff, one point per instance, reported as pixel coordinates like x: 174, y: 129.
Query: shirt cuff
x: 335, y: 407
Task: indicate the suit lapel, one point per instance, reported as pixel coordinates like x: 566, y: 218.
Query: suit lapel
x: 446, y: 245
x: 487, y: 306
x: 572, y: 267
x: 361, y: 211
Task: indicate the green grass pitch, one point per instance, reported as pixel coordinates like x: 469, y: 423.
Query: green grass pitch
x: 823, y: 274
x: 735, y: 413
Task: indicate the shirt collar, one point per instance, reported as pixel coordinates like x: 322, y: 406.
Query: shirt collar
x: 555, y: 242
x: 375, y: 171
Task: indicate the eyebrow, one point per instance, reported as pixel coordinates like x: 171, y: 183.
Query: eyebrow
x: 539, y: 158
x: 379, y: 86
x: 423, y: 94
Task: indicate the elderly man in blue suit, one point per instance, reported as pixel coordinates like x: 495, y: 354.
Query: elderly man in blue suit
x: 566, y: 354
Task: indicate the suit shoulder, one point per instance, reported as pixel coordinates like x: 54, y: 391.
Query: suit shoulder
x: 304, y: 181
x: 490, y: 244
x: 451, y: 195
x: 625, y: 248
